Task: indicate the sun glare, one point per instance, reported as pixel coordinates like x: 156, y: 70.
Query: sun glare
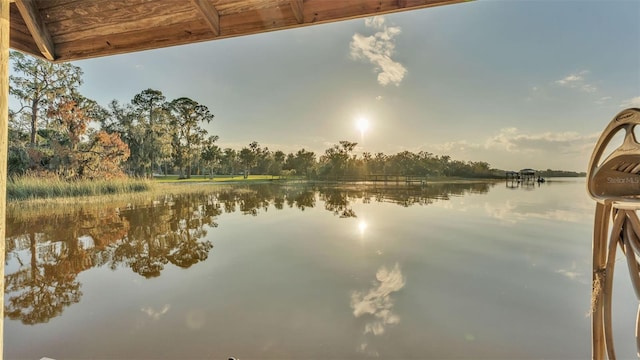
x: 363, y: 124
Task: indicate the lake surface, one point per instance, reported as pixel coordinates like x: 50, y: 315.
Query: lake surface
x: 477, y: 270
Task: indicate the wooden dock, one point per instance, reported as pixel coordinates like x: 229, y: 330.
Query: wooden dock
x: 523, y: 177
x: 381, y: 179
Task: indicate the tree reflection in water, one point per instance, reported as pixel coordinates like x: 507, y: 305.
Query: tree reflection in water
x: 46, y: 252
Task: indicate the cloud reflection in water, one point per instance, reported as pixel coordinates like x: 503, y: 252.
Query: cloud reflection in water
x: 156, y: 314
x: 376, y: 304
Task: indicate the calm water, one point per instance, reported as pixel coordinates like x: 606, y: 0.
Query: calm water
x: 449, y: 271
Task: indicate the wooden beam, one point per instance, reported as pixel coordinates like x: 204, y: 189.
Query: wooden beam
x: 36, y: 26
x: 297, y: 7
x: 210, y: 14
x: 4, y: 134
x: 402, y: 4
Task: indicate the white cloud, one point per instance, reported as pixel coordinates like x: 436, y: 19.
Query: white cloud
x: 577, y: 81
x: 458, y: 146
x: 378, y: 49
x: 512, y: 140
x: 571, y: 79
x: 633, y: 102
x: 379, y: 97
x: 509, y: 148
x: 603, y: 100
x: 374, y: 22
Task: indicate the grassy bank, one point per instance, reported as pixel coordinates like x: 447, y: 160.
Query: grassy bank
x: 224, y: 178
x: 31, y: 188
x: 37, y: 191
x: 32, y: 191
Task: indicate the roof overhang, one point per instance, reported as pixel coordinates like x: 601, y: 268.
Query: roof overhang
x: 66, y: 30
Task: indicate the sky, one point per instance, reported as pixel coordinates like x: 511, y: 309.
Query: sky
x: 518, y: 84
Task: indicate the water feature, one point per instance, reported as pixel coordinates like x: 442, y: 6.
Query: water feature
x: 466, y: 270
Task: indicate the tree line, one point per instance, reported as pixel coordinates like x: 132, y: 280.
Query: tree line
x: 59, y: 131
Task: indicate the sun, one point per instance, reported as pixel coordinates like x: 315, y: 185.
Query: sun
x: 362, y: 123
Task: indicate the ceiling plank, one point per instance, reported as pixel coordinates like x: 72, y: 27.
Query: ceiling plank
x: 72, y: 17
x: 157, y: 24
x: 37, y: 28
x: 83, y: 29
x: 178, y: 34
x: 116, y: 15
x: 231, y: 7
x: 24, y: 42
x: 210, y: 14
x: 21, y: 39
x: 297, y: 7
x: 329, y: 11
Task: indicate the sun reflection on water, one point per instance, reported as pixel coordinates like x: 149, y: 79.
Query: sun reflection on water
x: 362, y: 227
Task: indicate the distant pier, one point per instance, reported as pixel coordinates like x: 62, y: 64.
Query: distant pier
x: 523, y: 177
x: 382, y: 179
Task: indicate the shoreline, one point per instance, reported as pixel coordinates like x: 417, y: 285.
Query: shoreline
x: 174, y: 186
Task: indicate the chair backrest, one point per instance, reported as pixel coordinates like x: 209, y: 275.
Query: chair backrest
x: 617, y: 178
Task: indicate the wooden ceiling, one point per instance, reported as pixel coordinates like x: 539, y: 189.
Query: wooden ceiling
x: 65, y: 30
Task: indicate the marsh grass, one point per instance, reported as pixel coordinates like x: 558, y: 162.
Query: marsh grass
x: 31, y: 196
x: 34, y: 207
x: 33, y: 187
x: 223, y: 178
